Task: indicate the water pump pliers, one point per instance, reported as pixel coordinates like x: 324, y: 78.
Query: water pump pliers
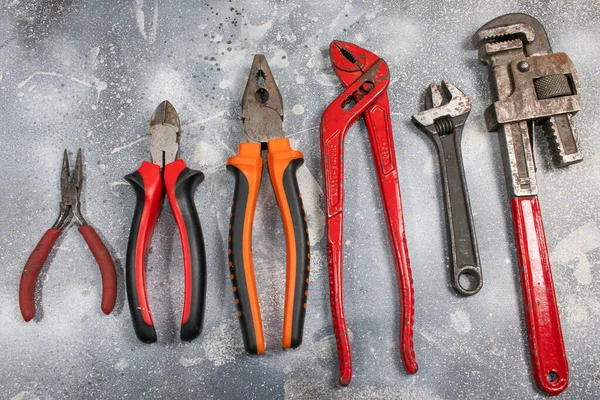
x: 366, y: 78
x: 70, y: 206
x: 167, y: 173
x: 262, y: 115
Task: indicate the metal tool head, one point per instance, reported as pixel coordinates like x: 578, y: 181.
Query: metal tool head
x: 510, y: 30
x: 350, y: 61
x: 262, y: 106
x: 444, y: 110
x: 165, y: 131
x: 70, y: 190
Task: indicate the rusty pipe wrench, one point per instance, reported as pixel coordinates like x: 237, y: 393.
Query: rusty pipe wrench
x: 531, y: 85
x: 366, y: 78
x: 443, y: 120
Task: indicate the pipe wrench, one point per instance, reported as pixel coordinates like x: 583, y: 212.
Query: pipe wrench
x: 531, y: 86
x: 366, y: 78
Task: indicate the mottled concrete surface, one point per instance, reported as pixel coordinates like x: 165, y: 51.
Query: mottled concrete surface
x: 89, y: 74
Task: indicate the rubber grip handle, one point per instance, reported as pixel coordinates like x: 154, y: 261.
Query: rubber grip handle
x: 549, y: 360
x: 246, y: 167
x: 149, y: 191
x: 107, y: 267
x: 32, y: 269
x: 379, y: 128
x: 283, y: 162
x: 180, y: 184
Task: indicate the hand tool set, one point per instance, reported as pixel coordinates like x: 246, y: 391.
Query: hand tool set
x: 530, y: 86
x: 262, y: 115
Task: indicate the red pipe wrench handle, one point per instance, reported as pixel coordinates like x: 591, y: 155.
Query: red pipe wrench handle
x: 379, y: 127
x: 549, y: 360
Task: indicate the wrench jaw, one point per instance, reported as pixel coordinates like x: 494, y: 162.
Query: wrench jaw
x: 445, y: 110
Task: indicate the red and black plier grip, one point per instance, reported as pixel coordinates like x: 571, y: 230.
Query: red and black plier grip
x: 179, y: 183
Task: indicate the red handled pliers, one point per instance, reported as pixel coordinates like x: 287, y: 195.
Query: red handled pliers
x: 167, y: 173
x: 366, y: 78
x: 70, y: 207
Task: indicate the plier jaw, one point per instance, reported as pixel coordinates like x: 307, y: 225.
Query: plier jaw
x: 70, y: 189
x: 165, y: 131
x: 350, y: 61
x: 262, y: 106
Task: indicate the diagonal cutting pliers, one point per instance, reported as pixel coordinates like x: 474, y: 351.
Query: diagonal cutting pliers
x: 366, y: 78
x: 70, y: 207
x: 262, y: 115
x: 166, y: 174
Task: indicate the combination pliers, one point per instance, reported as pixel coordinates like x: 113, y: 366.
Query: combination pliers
x: 262, y: 115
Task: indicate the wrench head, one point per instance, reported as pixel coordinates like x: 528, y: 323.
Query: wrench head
x: 448, y: 104
x: 508, y: 27
x: 350, y: 61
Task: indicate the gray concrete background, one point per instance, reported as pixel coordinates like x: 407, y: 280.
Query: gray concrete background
x: 89, y: 74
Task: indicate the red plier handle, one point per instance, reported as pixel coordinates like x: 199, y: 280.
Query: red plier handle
x: 369, y: 93
x: 179, y: 183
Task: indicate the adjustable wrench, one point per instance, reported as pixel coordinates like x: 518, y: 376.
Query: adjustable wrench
x: 443, y: 120
x: 531, y: 85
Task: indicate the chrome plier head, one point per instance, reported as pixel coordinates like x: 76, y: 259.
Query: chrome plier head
x: 444, y: 110
x: 262, y: 106
x: 165, y: 131
x: 70, y: 205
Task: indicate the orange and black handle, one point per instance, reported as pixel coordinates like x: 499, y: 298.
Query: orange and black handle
x: 246, y: 167
x: 179, y: 184
x: 38, y: 257
x: 283, y: 162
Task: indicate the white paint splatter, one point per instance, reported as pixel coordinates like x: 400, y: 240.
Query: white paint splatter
x: 225, y: 83
x: 254, y: 32
x: 38, y: 73
x: 117, y: 149
x: 220, y: 345
x: 311, y: 198
x: 279, y: 59
x: 298, y: 109
x: 327, y: 79
x: 121, y: 365
x: 575, y: 245
x: 25, y: 396
x: 189, y: 362
x: 140, y: 19
x: 460, y: 321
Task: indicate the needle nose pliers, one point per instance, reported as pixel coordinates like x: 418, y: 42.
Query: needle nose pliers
x: 70, y: 207
x: 167, y: 173
x: 262, y: 115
